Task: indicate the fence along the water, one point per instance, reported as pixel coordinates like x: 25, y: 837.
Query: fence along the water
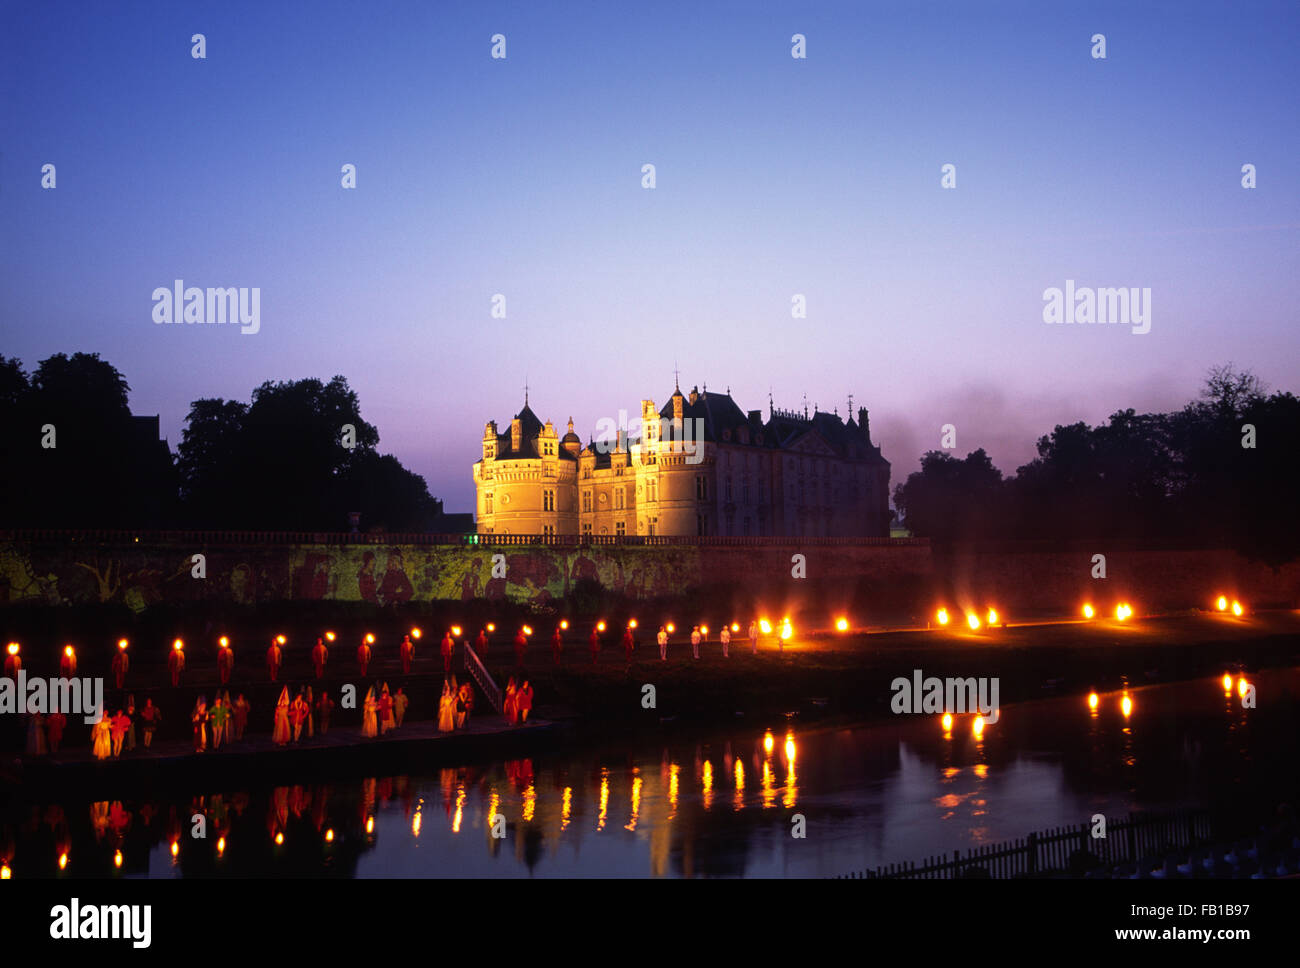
x: 1049, y: 851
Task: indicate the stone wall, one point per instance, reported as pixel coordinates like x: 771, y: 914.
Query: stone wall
x: 899, y: 577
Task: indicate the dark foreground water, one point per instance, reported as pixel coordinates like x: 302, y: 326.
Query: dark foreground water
x: 703, y: 803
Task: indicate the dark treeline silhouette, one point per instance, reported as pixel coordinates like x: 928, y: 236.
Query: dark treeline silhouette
x: 276, y: 463
x: 1185, y: 477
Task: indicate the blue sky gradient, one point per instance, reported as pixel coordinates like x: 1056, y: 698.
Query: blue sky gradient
x: 775, y: 176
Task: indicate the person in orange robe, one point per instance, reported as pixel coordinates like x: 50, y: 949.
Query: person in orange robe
x: 175, y: 665
x: 481, y: 644
x: 628, y: 642
x: 199, y: 718
x: 68, y: 663
x: 408, y: 654
x: 521, y: 643
x: 509, y: 708
x: 319, y: 656
x: 556, y: 640
x: 297, y: 716
x: 149, y: 718
x: 118, y: 727
x: 121, y: 663
x: 225, y: 663
x: 595, y: 644
x: 524, y: 701
x: 274, y: 656
x: 363, y: 656
x: 324, y: 704
x: 448, y: 645
x: 13, y: 663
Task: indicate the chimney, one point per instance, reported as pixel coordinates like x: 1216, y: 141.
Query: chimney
x: 622, y: 441
x: 678, y: 406
x: 695, y: 395
x: 863, y: 423
x: 516, y: 435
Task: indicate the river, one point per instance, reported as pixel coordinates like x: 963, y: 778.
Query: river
x: 715, y: 802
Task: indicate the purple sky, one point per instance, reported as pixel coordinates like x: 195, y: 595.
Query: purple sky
x: 775, y: 176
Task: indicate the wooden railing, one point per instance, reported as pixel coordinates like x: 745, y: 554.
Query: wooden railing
x: 1051, y: 850
x: 474, y: 666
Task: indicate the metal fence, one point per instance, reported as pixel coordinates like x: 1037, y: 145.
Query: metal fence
x: 1050, y: 851
x: 220, y: 538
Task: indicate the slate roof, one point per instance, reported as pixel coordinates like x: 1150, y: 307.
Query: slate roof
x: 531, y: 427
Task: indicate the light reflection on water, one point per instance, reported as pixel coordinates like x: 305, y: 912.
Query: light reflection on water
x: 899, y: 790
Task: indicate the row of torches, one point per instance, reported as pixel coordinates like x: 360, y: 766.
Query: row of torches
x: 783, y: 629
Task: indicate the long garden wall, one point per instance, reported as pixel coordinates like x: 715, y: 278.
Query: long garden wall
x: 140, y: 571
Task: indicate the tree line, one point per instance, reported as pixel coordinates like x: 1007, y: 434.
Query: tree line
x: 1219, y: 473
x: 75, y: 457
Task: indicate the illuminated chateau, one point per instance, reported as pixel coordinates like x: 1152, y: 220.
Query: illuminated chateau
x: 699, y: 466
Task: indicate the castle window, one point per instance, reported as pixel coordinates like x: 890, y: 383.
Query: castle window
x: 728, y: 488
x: 586, y: 500
x: 702, y: 488
x: 548, y: 529
x: 701, y: 524
x: 620, y: 528
x: 487, y: 503
x: 548, y: 500
x: 618, y: 498
x: 586, y: 530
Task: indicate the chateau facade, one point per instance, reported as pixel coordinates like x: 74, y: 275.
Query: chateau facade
x: 699, y: 466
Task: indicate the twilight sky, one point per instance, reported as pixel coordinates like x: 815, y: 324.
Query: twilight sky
x: 775, y: 176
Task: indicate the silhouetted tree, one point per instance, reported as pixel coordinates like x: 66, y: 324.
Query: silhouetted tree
x: 1190, y: 477
x: 283, y: 463
x: 389, y: 497
x: 951, y: 499
x: 106, y: 468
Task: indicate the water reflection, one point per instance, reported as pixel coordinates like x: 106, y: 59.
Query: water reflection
x: 897, y: 790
